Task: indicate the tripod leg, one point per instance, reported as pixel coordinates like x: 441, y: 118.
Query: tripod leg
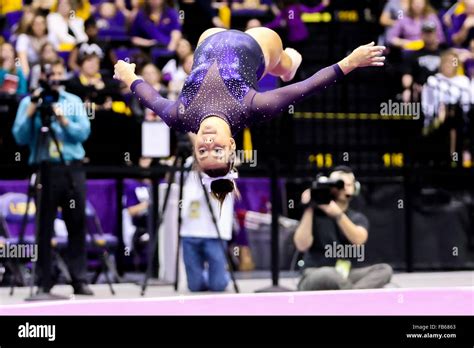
x: 154, y: 240
x: 106, y: 272
x: 2, y: 272
x: 110, y: 265
x: 97, y: 274
x: 110, y: 262
x: 13, y: 278
x: 63, y: 267
x: 17, y: 277
x: 32, y: 279
x: 30, y: 195
x: 181, y: 184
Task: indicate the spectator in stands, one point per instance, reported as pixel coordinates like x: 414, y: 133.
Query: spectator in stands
x: 156, y: 24
x: 392, y: 12
x: 12, y: 79
x: 110, y: 19
x: 173, y: 71
x: 446, y: 90
x: 22, y: 26
x: 462, y: 30
x: 335, y: 225
x: 64, y: 27
x: 151, y: 74
x: 421, y: 64
x: 406, y: 33
x: 81, y: 8
x: 72, y: 127
x: 290, y: 18
x: 129, y: 8
x: 47, y: 55
x: 91, y: 86
x: 93, y: 44
x: 28, y: 45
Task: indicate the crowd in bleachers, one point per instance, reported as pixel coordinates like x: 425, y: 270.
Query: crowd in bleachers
x: 160, y: 35
x: 436, y: 57
x: 90, y: 37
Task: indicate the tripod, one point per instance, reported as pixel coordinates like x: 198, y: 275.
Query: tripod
x: 41, y: 187
x: 183, y: 152
x: 35, y: 190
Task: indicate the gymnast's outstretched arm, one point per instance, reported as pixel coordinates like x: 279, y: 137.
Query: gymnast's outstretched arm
x: 271, y: 103
x: 166, y: 109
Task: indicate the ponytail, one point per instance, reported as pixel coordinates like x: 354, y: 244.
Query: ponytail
x: 222, y: 186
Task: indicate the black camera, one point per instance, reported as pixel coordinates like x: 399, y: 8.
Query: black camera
x: 324, y: 190
x: 48, y: 96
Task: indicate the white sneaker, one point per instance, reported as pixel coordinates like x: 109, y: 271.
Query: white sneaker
x: 296, y: 60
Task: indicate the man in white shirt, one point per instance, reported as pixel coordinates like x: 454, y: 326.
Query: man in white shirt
x: 203, y: 254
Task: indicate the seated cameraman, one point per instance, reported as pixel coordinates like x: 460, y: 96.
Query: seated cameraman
x: 63, y: 186
x: 326, y: 226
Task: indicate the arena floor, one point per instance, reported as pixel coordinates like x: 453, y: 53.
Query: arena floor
x: 435, y: 293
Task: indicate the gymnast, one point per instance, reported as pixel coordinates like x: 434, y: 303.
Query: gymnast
x: 220, y: 97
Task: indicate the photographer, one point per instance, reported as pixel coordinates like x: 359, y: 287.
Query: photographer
x: 325, y: 228
x: 63, y: 186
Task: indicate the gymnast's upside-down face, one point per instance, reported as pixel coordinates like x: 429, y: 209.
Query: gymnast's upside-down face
x: 214, y: 146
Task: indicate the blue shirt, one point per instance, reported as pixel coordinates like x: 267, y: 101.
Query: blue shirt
x: 70, y: 138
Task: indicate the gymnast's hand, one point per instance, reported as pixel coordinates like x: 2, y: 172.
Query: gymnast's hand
x: 125, y: 71
x: 362, y: 56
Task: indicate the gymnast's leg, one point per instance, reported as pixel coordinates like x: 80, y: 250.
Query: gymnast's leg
x: 278, y: 62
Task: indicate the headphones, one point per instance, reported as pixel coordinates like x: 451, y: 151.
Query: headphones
x: 348, y: 170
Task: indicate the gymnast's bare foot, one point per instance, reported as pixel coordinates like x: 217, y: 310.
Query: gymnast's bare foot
x: 296, y: 62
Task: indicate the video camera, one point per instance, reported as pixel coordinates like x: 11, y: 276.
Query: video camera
x: 48, y: 95
x: 324, y: 190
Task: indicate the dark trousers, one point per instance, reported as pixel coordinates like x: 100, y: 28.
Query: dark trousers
x: 57, y: 191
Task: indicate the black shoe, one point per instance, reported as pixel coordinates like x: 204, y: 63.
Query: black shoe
x: 82, y: 289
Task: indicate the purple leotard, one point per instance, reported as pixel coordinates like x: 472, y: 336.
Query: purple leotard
x: 223, y: 82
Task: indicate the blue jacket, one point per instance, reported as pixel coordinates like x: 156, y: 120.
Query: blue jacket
x: 70, y: 138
